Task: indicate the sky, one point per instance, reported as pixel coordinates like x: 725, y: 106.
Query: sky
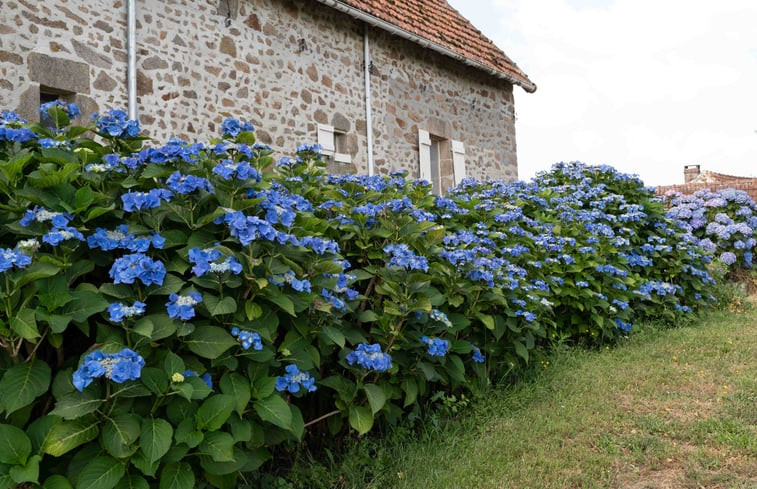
x: 647, y: 86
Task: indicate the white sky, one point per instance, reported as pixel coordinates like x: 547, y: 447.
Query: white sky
x: 647, y: 86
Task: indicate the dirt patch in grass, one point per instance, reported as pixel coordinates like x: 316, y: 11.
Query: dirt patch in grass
x: 690, y: 466
x: 669, y: 478
x: 688, y: 405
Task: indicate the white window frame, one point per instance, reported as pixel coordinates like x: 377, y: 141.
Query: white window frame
x: 327, y: 138
x: 426, y: 146
x: 424, y: 151
x: 458, y: 161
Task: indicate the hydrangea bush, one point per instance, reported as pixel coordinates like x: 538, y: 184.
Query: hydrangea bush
x: 724, y: 222
x: 173, y: 316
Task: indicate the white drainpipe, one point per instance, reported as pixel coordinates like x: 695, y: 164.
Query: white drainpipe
x: 131, y: 46
x: 368, y: 118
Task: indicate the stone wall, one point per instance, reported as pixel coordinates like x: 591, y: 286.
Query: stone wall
x: 285, y: 65
x: 415, y: 88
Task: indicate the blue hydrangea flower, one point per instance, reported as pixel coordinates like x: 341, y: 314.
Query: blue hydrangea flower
x: 402, y: 256
x: 8, y: 116
x: 174, y: 150
x: 622, y: 305
x: 109, y: 240
x: 309, y: 148
x: 228, y: 169
x: 118, y: 311
x: 136, y: 201
x: 728, y: 257
x: 527, y: 315
x: 622, y: 325
x: 232, y: 127
x: 285, y: 162
x: 13, y: 258
x: 120, y: 237
x: 111, y: 162
x: 182, y: 306
x: 318, y: 245
x: 291, y: 279
x: 281, y: 205
x: 18, y: 135
x: 247, y: 338
x: 342, y: 285
x: 118, y: 367
x: 335, y: 301
x: 437, y: 347
x: 478, y: 357
x: 56, y: 236
x: 438, y: 315
x: 250, y: 228
x: 40, y: 214
x: 207, y: 260
x: 52, y: 143
x: 294, y: 379
x: 186, y: 184
x: 71, y: 110
x: 115, y: 124
x: 127, y: 269
x: 370, y: 357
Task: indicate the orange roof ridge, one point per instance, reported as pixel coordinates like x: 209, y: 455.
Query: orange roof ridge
x: 438, y: 26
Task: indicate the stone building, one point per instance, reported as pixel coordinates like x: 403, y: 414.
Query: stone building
x: 381, y: 84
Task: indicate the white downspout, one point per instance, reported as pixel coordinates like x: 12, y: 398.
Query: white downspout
x: 368, y: 118
x: 131, y: 46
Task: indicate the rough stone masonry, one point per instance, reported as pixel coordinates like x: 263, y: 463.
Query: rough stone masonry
x: 284, y: 65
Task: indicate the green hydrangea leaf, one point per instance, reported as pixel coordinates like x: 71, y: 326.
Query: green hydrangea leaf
x: 155, y: 438
x: 274, y: 410
x: 67, y: 435
x: 210, y: 341
x: 26, y: 381
x: 177, y: 476
x: 119, y: 434
x: 102, y: 472
x: 15, y: 446
x: 361, y: 419
x: 214, y: 412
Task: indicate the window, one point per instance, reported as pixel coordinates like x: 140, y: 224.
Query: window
x: 333, y: 143
x: 442, y: 161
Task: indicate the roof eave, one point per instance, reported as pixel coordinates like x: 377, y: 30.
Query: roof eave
x: 527, y: 85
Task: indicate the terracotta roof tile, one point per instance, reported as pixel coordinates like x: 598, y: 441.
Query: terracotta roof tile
x: 436, y: 21
x: 714, y: 177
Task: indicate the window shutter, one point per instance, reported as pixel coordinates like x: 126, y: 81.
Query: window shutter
x: 458, y: 161
x: 424, y: 151
x: 342, y: 158
x: 326, y: 139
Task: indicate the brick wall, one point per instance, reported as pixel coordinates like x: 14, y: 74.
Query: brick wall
x: 285, y: 65
x: 749, y: 187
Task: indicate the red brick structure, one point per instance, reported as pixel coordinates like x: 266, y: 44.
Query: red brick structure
x: 699, y: 180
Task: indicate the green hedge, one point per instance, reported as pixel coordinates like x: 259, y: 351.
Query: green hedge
x: 172, y: 315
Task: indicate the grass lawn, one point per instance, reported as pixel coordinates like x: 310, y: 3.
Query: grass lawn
x: 670, y: 408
